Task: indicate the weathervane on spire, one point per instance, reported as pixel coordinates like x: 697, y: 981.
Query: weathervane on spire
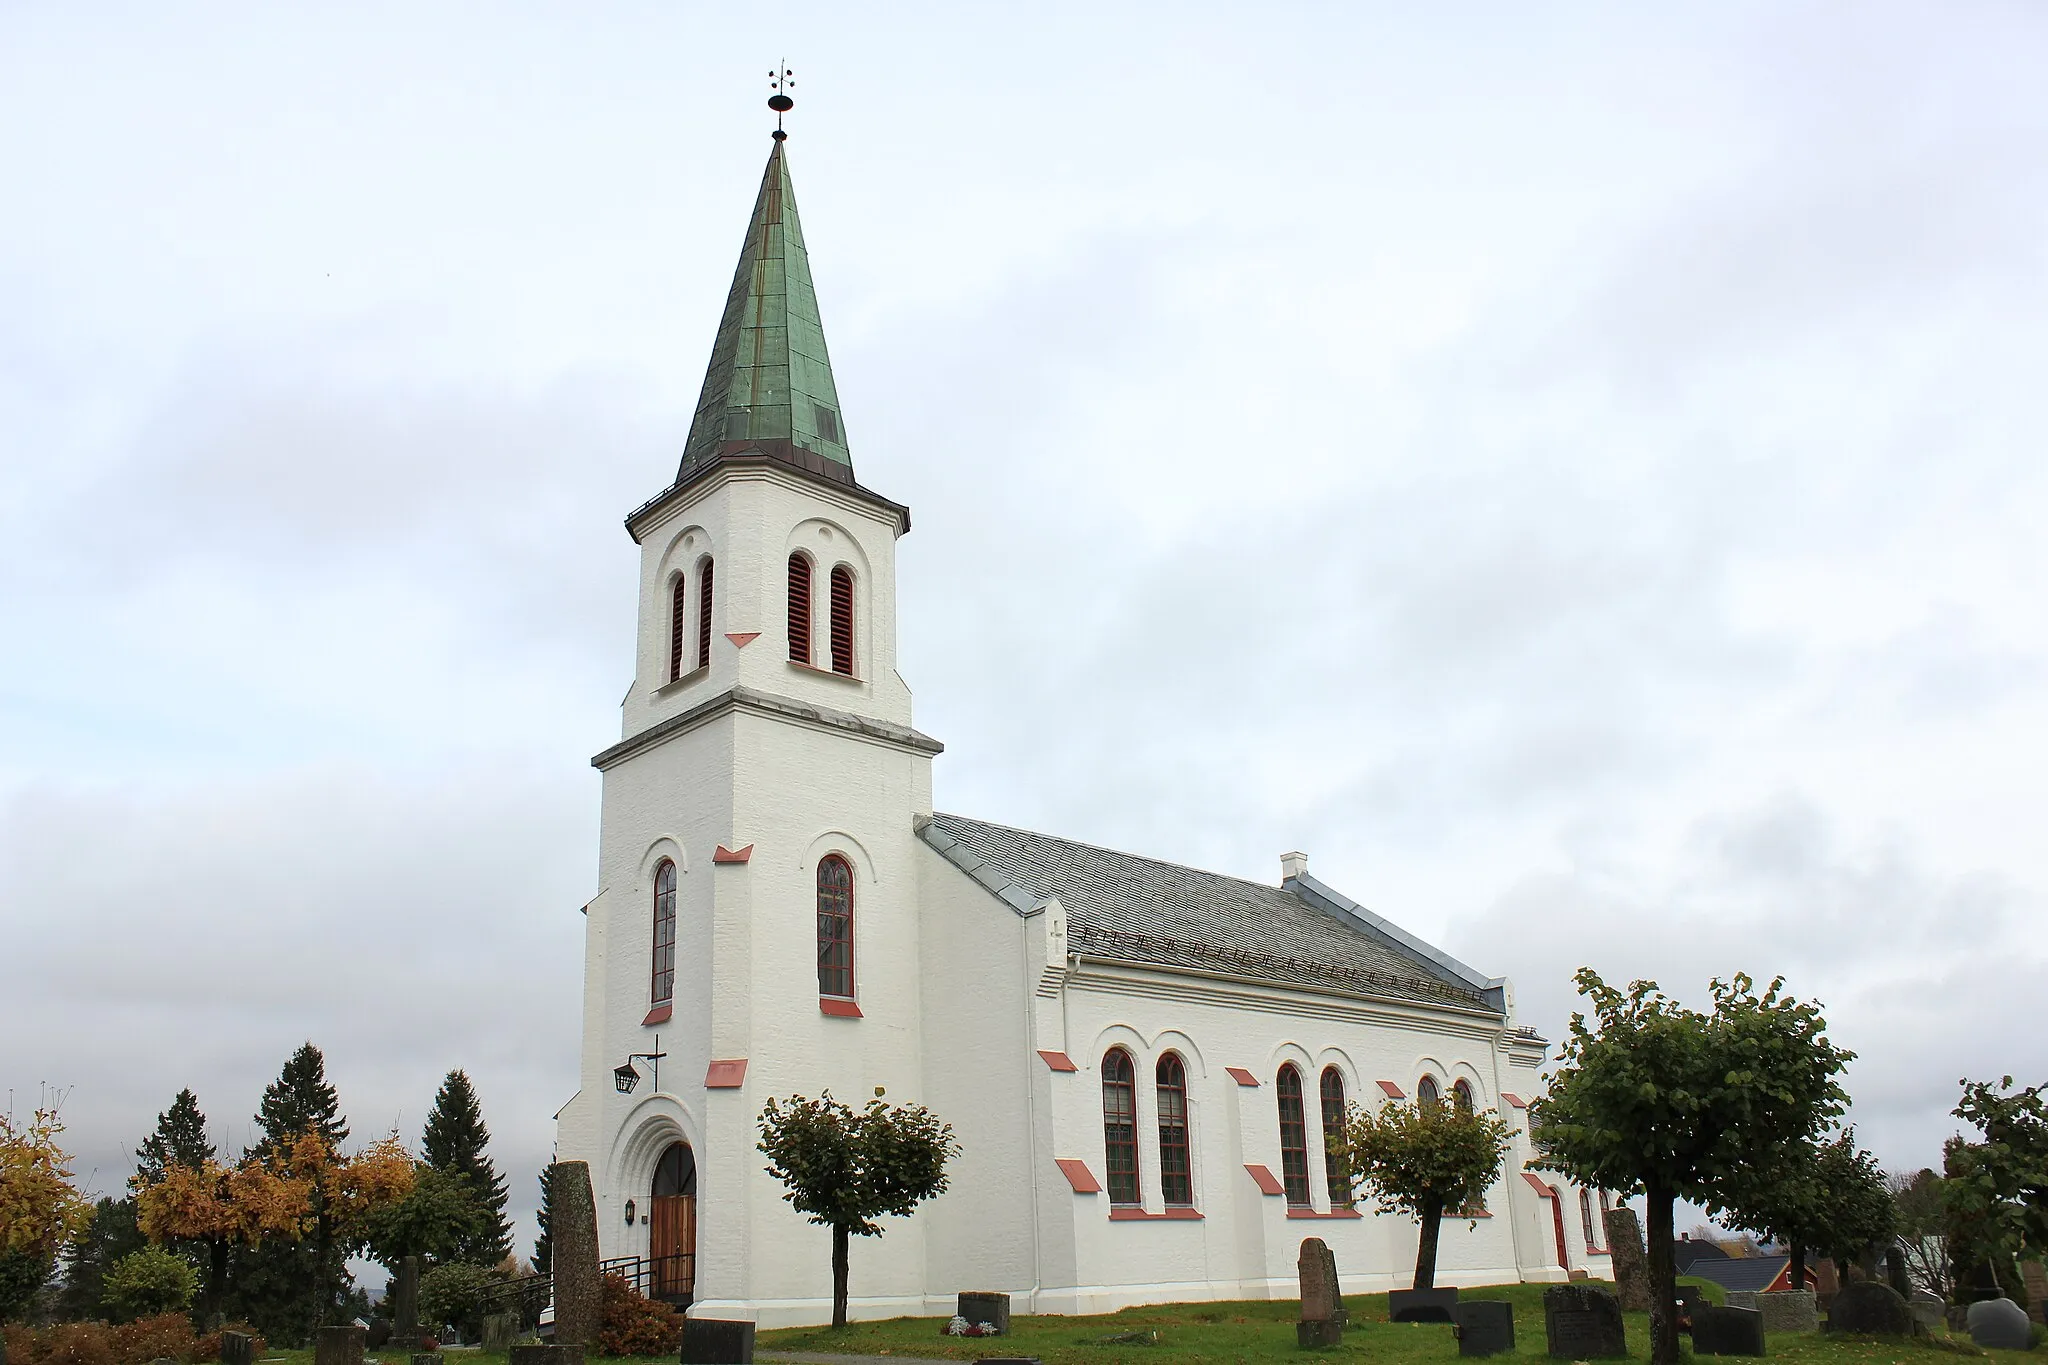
x: 781, y: 81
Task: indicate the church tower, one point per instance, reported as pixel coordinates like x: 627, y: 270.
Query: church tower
x: 757, y: 924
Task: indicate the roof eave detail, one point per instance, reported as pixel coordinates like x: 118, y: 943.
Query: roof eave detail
x: 1345, y: 910
x: 763, y: 455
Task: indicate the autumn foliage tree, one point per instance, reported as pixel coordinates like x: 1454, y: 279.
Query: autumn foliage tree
x: 1424, y: 1160
x: 41, y: 1213
x: 846, y: 1167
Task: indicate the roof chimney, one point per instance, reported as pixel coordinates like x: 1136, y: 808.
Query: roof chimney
x: 1292, y: 865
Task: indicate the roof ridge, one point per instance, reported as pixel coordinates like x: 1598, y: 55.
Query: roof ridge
x: 1117, y: 852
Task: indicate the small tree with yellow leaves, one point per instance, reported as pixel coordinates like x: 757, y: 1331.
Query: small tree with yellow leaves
x: 40, y: 1212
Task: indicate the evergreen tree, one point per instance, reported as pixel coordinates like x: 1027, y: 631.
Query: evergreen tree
x: 454, y: 1144
x: 113, y: 1234
x: 289, y: 1288
x: 298, y: 1102
x: 179, y: 1140
x: 544, y: 1245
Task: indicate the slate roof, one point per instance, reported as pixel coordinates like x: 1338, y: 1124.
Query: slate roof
x: 1128, y: 908
x: 1738, y: 1272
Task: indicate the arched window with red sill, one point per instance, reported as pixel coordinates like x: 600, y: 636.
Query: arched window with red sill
x: 1332, y: 1096
x: 1176, y: 1168
x: 1293, y: 1136
x: 1461, y: 1095
x: 1120, y: 1125
x: 678, y: 626
x: 1426, y: 1091
x: 704, y: 611
x: 800, y: 607
x: 842, y: 621
x: 663, y: 987
x: 835, y: 927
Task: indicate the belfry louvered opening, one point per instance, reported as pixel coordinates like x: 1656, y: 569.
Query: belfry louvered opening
x: 800, y: 607
x: 704, y: 612
x: 842, y: 620
x: 678, y: 626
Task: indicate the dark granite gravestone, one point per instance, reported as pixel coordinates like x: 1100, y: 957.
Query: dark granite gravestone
x: 1869, y: 1308
x: 405, y: 1302
x: 424, y: 1358
x: 1895, y: 1272
x: 1631, y: 1266
x: 714, y: 1341
x: 1312, y: 1334
x: 1727, y: 1331
x: 1320, y: 1299
x: 1784, y: 1310
x: 339, y: 1346
x: 1483, y: 1327
x: 1582, y: 1322
x: 986, y: 1308
x: 237, y: 1348
x: 500, y: 1330
x: 1689, y: 1298
x: 2035, y: 1277
x: 378, y: 1332
x: 1999, y: 1325
x: 572, y: 1234
x: 1420, y: 1305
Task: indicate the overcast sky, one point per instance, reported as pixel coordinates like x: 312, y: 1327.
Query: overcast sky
x: 1574, y: 471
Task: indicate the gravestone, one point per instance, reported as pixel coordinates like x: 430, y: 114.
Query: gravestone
x: 1869, y: 1308
x: 339, y: 1346
x: 1484, y: 1327
x: 531, y: 1354
x: 988, y: 1309
x: 500, y: 1330
x: 714, y: 1341
x: 424, y: 1358
x: 1727, y: 1331
x: 1582, y: 1322
x: 1895, y: 1271
x: 572, y: 1231
x: 1421, y: 1305
x: 1631, y: 1267
x: 1321, y: 1300
x: 1313, y: 1334
x: 237, y: 1348
x: 378, y: 1333
x: 2035, y: 1277
x: 1999, y: 1325
x: 1929, y: 1310
x: 1690, y: 1298
x: 1784, y: 1310
x: 405, y: 1302
x: 1827, y: 1281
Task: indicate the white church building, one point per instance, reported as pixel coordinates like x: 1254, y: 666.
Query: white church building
x: 1138, y: 1059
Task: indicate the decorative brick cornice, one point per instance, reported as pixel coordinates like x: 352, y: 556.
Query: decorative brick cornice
x: 779, y: 708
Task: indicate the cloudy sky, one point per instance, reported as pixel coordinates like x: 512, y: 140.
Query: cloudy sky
x: 1574, y: 471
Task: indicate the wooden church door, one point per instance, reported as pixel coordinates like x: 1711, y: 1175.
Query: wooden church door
x: 672, y: 1225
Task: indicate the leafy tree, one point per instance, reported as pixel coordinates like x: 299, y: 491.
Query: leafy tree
x: 2008, y: 1176
x: 1921, y: 1213
x: 1678, y: 1103
x: 41, y: 1214
x: 145, y: 1283
x: 1422, y: 1160
x: 544, y: 1245
x: 179, y: 1140
x: 454, y: 1144
x: 1980, y: 1228
x: 845, y: 1168
x: 438, y: 1222
x: 111, y: 1235
x: 453, y: 1295
x: 1832, y: 1199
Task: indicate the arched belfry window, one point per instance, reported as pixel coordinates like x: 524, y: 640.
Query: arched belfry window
x: 800, y: 607
x: 842, y: 620
x: 704, y: 611
x: 678, y: 626
x: 1293, y: 1136
x: 1426, y: 1091
x: 664, y: 977
x: 1461, y: 1095
x: 1176, y: 1170
x: 835, y: 927
x: 1120, y: 1125
x: 1332, y: 1087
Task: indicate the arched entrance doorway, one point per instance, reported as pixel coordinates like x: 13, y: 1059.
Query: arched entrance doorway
x: 672, y: 1225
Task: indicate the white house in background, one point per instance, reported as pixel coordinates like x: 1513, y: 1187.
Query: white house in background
x: 1139, y: 1059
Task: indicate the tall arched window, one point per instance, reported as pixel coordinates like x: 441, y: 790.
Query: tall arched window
x: 835, y: 927
x: 800, y: 607
x: 704, y: 611
x: 1586, y: 1219
x: 842, y: 620
x: 678, y: 627
x: 1333, y: 1130
x: 1120, y: 1125
x: 1176, y: 1171
x: 1293, y: 1137
x: 1426, y: 1091
x: 1461, y: 1095
x: 664, y: 983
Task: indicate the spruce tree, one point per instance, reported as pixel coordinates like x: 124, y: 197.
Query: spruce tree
x: 179, y: 1140
x: 298, y: 1102
x: 544, y: 1245
x: 289, y: 1288
x: 454, y: 1144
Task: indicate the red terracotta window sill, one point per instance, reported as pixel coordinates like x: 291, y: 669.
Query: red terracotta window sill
x: 1058, y: 1061
x: 1267, y: 1182
x: 1242, y: 1077
x: 1333, y: 1213
x: 838, y: 1008
x: 660, y: 1014
x: 1128, y: 1214
x: 726, y: 1075
x: 1078, y: 1175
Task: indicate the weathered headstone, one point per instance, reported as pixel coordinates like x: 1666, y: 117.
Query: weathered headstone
x: 1784, y: 1310
x: 237, y: 1348
x: 1999, y: 1325
x: 987, y: 1308
x: 1869, y: 1308
x: 572, y: 1231
x: 500, y: 1330
x: 1421, y: 1305
x: 1929, y: 1310
x: 1484, y: 1327
x: 1582, y: 1322
x: 713, y: 1341
x: 339, y: 1346
x: 2034, y: 1276
x: 377, y: 1334
x: 531, y: 1354
x: 1727, y: 1331
x: 1631, y: 1266
x: 1317, y: 1268
x: 1313, y: 1334
x: 424, y: 1358
x: 405, y: 1302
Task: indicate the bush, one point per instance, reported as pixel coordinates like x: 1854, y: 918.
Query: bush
x: 450, y: 1295
x: 76, y: 1343
x: 166, y: 1335
x: 149, y: 1282
x: 631, y: 1324
x: 207, y: 1347
x: 17, y: 1343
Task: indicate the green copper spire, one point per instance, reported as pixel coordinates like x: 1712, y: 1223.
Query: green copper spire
x: 769, y: 388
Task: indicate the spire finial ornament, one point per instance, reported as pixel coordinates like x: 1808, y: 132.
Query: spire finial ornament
x: 781, y: 80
